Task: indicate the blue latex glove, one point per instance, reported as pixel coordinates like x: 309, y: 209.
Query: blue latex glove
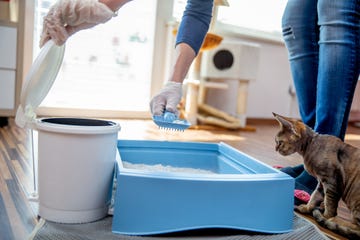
x: 167, y: 99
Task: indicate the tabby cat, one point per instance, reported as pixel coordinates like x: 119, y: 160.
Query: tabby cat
x: 336, y: 166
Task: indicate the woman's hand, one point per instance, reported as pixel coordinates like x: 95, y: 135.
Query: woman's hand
x: 67, y: 17
x: 167, y: 99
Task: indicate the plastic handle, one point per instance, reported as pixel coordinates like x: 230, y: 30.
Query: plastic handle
x: 169, y: 116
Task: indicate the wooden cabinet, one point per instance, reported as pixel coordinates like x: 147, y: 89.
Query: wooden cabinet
x: 7, y: 89
x: 15, y: 54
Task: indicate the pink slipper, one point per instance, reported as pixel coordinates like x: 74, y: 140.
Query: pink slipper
x: 278, y: 166
x: 302, y: 195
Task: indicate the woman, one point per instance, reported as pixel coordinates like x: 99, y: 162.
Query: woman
x: 323, y: 40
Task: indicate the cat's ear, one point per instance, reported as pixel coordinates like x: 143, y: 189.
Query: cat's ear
x: 286, y: 124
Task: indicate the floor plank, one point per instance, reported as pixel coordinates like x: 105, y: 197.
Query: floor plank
x: 5, y: 226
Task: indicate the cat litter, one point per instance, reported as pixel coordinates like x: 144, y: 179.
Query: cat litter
x: 221, y: 188
x: 165, y: 168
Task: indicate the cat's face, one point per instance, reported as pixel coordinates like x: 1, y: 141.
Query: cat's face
x: 284, y: 144
x: 288, y: 139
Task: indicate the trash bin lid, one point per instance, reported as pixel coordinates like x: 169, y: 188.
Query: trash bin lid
x: 38, y: 82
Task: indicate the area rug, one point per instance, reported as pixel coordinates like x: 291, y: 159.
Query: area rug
x: 101, y: 230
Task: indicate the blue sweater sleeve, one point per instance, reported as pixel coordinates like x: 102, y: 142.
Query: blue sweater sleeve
x: 195, y: 23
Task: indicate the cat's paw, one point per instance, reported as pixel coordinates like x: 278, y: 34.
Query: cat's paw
x: 318, y: 215
x: 303, y: 208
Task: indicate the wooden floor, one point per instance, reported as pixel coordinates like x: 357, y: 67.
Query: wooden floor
x: 18, y: 215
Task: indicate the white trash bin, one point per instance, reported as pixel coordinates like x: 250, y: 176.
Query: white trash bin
x: 76, y: 156
x: 76, y: 159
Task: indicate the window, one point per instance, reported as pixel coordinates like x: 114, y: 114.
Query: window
x: 107, y: 67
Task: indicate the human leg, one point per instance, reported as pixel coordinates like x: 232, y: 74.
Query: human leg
x: 339, y: 62
x: 301, y: 35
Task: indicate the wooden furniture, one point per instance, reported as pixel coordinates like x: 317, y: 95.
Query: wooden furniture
x: 16, y: 51
x: 8, y: 67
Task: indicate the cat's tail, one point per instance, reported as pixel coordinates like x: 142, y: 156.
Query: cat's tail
x: 344, y: 230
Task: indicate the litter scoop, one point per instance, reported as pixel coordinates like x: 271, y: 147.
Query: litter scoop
x: 169, y: 121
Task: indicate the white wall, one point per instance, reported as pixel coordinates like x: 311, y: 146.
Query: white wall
x: 271, y: 91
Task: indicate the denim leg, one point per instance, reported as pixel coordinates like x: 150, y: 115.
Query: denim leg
x: 301, y: 35
x: 324, y: 60
x: 338, y: 68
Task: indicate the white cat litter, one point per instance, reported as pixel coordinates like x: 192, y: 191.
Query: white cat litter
x: 165, y: 168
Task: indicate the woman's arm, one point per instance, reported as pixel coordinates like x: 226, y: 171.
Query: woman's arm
x: 192, y: 31
x: 195, y: 23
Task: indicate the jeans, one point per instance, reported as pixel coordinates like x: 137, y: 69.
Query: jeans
x: 322, y: 38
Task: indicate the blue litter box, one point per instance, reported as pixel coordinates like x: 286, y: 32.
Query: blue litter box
x: 165, y: 187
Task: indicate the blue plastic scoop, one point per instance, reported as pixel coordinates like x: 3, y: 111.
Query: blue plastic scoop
x: 169, y: 121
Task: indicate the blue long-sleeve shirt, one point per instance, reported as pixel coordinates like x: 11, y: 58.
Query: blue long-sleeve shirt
x: 195, y: 23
